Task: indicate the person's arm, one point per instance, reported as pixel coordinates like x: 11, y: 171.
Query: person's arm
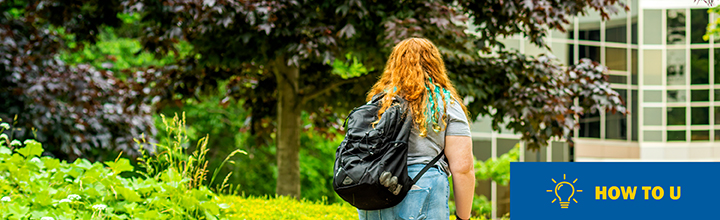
x: 458, y: 150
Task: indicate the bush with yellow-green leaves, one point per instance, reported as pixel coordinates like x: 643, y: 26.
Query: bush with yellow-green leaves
x: 288, y: 208
x: 285, y: 208
x: 168, y: 184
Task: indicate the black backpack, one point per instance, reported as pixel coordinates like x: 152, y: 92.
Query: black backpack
x: 371, y: 162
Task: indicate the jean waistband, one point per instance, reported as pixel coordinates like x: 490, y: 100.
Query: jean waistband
x: 420, y: 166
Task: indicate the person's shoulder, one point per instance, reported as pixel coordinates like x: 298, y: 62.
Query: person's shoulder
x: 454, y: 104
x: 458, y: 124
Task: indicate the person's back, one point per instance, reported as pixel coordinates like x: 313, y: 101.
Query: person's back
x: 416, y: 72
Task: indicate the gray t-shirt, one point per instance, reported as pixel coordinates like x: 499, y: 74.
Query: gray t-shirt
x: 421, y: 150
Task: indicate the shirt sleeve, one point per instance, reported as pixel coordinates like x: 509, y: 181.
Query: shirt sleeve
x: 457, y: 121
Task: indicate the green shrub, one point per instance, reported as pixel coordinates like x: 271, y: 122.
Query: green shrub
x: 117, y: 49
x: 497, y: 169
x: 481, y: 206
x: 172, y: 185
x: 256, y: 173
x: 285, y: 208
x: 229, y: 127
x: 317, y: 158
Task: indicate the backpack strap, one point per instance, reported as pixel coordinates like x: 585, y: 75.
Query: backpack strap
x: 427, y: 167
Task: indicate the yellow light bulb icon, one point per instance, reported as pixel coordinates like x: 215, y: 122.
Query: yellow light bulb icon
x: 564, y: 203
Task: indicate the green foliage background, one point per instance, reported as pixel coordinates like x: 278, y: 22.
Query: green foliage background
x: 497, y: 169
x: 165, y: 187
x: 255, y: 174
x: 35, y: 187
x: 118, y: 50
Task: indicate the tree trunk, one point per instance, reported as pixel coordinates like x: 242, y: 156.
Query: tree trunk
x: 288, y: 129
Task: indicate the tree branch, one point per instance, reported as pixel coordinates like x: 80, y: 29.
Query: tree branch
x: 318, y: 92
x: 708, y: 2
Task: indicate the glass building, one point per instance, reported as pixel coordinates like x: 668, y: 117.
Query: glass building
x: 659, y: 63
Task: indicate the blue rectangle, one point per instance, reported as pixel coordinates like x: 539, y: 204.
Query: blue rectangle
x: 533, y: 186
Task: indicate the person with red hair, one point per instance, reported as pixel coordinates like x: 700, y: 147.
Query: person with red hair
x: 416, y: 72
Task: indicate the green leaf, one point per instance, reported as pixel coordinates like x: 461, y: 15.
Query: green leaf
x: 122, y: 165
x: 50, y: 163
x: 211, y: 208
x: 210, y: 216
x: 349, y: 69
x: 43, y: 192
x: 130, y: 208
x: 32, y: 148
x: 171, y: 176
x: 152, y: 214
x: 5, y: 150
x: 129, y: 195
x: 82, y: 163
x: 18, y: 211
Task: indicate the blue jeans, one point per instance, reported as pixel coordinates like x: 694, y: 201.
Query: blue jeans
x: 427, y: 199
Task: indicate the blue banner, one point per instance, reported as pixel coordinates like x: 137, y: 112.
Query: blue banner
x: 614, y: 190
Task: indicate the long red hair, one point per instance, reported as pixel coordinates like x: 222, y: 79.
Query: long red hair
x: 415, y: 71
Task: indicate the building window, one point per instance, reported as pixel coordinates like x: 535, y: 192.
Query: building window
x: 617, y: 79
x: 655, y: 136
x: 717, y: 65
x: 482, y: 149
x: 675, y: 116
x: 676, y: 96
x: 676, y: 135
x: 616, y: 30
x: 698, y: 25
x: 634, y: 66
x: 616, y: 58
x: 699, y: 66
x: 652, y: 96
x: 616, y: 124
x: 589, y: 30
x: 652, y: 25
x: 700, y: 115
x: 591, y: 52
x: 634, y: 34
x: 652, y: 67
x: 651, y: 116
x: 668, y: 109
x: 590, y: 125
x: 675, y: 67
x: 700, y: 135
x: 676, y: 26
x: 634, y: 115
x: 701, y: 95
